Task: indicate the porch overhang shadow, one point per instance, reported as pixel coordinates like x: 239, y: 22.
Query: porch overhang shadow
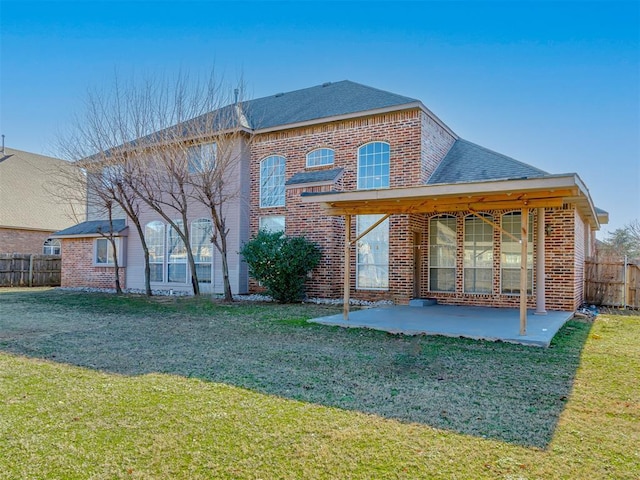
x: 525, y: 194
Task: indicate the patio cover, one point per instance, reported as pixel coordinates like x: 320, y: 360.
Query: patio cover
x: 524, y: 194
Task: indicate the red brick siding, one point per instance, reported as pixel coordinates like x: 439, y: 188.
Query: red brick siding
x: 22, y: 241
x: 78, y: 269
x: 436, y: 142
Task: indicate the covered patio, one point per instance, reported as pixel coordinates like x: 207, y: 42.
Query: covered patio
x: 480, y: 323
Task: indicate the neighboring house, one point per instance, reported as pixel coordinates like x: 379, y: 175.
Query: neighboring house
x: 331, y: 161
x: 29, y: 211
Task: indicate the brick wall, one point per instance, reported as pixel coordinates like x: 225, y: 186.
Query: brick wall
x: 22, y: 241
x: 78, y: 269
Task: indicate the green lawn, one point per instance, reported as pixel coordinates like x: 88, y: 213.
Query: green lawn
x: 98, y: 386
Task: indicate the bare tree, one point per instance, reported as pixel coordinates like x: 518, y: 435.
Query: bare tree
x: 623, y: 241
x: 149, y: 130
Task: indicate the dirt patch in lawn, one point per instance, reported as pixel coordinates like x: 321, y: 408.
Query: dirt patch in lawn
x: 508, y: 392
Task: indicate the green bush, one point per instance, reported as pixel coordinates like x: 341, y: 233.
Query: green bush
x: 281, y: 263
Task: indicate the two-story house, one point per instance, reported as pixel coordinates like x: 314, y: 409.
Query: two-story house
x: 451, y: 220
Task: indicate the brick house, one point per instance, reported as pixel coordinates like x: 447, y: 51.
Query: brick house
x: 29, y: 210
x: 451, y: 220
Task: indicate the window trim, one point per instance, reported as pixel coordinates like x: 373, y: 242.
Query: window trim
x: 489, y: 217
x: 321, y: 149
x: 52, y: 243
x: 360, y: 176
x: 164, y: 246
x: 438, y: 267
x: 280, y: 202
x: 210, y: 244
x: 118, y: 252
x: 271, y: 217
x: 384, y: 224
x: 195, y: 157
x: 169, y: 229
x: 530, y: 253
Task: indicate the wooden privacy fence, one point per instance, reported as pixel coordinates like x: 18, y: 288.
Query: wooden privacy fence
x: 26, y: 270
x: 612, y: 283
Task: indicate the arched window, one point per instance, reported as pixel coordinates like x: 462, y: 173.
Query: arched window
x: 201, y: 231
x: 272, y: 181
x: 176, y: 255
x: 319, y: 157
x: 511, y: 253
x: 154, y: 237
x: 51, y: 246
x: 373, y: 165
x: 478, y: 254
x: 442, y: 254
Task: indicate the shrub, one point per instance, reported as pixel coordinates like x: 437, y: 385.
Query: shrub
x: 281, y: 263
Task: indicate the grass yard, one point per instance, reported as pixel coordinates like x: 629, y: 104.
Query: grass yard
x: 99, y: 386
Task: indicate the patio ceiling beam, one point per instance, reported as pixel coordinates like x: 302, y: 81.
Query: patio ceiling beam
x: 368, y: 207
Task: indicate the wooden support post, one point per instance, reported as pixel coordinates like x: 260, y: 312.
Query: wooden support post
x: 524, y: 234
x: 347, y: 265
x: 541, y: 302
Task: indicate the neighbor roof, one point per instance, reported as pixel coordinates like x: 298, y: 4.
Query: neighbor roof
x: 315, y: 177
x: 93, y: 228
x: 27, y: 201
x: 322, y: 101
x: 468, y: 162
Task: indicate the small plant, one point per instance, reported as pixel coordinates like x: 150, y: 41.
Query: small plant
x: 281, y: 263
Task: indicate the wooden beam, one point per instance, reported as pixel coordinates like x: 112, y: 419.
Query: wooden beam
x: 384, y: 207
x: 524, y: 237
x: 347, y: 265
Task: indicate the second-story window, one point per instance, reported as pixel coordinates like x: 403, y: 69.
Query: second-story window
x: 202, y: 158
x: 272, y: 181
x: 373, y: 165
x: 319, y: 157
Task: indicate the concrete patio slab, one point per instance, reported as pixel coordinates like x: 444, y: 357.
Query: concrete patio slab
x: 480, y: 323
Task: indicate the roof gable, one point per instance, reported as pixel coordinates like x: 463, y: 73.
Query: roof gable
x: 322, y: 101
x: 468, y: 162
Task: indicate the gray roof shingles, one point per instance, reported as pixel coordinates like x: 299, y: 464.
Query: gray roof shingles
x: 468, y: 162
x: 92, y: 227
x: 322, y: 101
x: 317, y: 176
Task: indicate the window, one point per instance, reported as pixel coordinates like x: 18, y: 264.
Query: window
x: 51, y: 246
x: 442, y: 254
x: 103, y: 252
x: 478, y: 254
x: 154, y: 236
x: 319, y: 157
x: 273, y: 223
x: 111, y: 175
x: 372, y: 263
x: 176, y: 256
x: 373, y: 165
x: 511, y: 254
x: 272, y: 181
x: 201, y: 231
x: 202, y: 158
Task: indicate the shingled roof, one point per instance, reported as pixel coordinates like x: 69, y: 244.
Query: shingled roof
x: 322, y: 101
x: 468, y: 162
x: 92, y: 228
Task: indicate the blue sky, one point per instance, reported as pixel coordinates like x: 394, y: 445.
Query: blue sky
x: 553, y: 84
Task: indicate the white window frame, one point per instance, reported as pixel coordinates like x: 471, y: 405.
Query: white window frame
x: 200, y: 248
x: 110, y: 262
x: 51, y: 245
x: 514, y: 264
x: 374, y: 165
x: 267, y: 223
x: 365, y: 258
x: 472, y: 251
x: 172, y: 234
x: 272, y: 173
x: 202, y: 158
x: 320, y: 157
x: 156, y: 251
x: 434, y: 248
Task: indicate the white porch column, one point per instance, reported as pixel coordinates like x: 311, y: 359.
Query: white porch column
x: 541, y: 307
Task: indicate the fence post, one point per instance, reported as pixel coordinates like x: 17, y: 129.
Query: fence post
x: 624, y: 292
x: 31, y: 270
